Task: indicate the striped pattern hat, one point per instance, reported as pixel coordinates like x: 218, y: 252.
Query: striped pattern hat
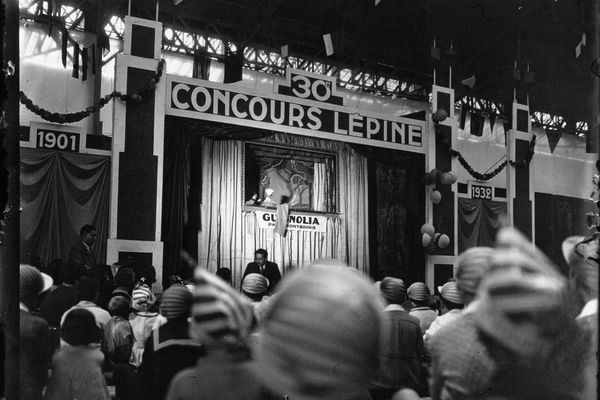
x: 418, y: 291
x: 255, y: 284
x: 142, y: 297
x: 473, y: 264
x: 219, y: 313
x: 175, y: 302
x: 523, y: 312
x: 393, y: 290
x: 450, y: 292
x: 321, y: 334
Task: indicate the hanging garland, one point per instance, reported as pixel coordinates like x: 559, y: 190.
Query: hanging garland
x: 137, y: 97
x: 489, y: 175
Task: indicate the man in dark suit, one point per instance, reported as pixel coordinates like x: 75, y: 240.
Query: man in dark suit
x: 81, y: 253
x: 268, y: 269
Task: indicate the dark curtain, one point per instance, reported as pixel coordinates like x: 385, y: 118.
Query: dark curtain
x: 478, y: 222
x: 396, y: 212
x: 61, y: 192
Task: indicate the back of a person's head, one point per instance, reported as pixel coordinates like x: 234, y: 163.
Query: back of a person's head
x: 450, y: 296
x: 54, y: 269
x: 473, y: 264
x: 225, y: 274
x: 255, y: 286
x: 119, y: 306
x: 331, y: 321
x: 419, y: 294
x: 79, y: 328
x: 393, y: 290
x: 175, y: 302
x: 87, y: 289
x: 32, y: 282
x: 125, y: 277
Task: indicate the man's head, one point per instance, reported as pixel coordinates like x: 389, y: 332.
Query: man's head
x: 87, y: 289
x: 225, y: 274
x: 88, y: 234
x: 260, y: 257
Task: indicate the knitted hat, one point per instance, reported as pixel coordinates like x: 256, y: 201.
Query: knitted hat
x: 473, y: 264
x: 321, y: 334
x: 219, y: 313
x: 142, y: 297
x: 522, y: 312
x: 255, y: 284
x: 393, y: 290
x: 418, y: 291
x: 32, y: 282
x: 449, y: 291
x: 175, y: 302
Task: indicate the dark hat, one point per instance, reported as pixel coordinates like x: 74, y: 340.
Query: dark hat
x: 175, y: 302
x: 393, y: 290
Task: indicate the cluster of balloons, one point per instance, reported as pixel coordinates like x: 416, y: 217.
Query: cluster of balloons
x: 432, y: 240
x: 435, y: 176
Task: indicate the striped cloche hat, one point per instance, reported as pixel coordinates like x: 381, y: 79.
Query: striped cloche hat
x: 219, y: 313
x: 255, y: 284
x: 175, y: 302
x: 393, y: 290
x: 418, y: 291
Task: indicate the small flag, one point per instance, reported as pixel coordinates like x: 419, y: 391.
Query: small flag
x: 436, y: 53
x: 284, y: 50
x: 583, y: 39
x: 578, y: 50
x: 477, y: 121
x: 377, y: 2
x: 553, y: 138
x: 463, y: 116
x: 492, y: 118
x: 328, y: 44
x: 470, y: 81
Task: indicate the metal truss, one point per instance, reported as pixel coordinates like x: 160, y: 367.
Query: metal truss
x: 391, y: 82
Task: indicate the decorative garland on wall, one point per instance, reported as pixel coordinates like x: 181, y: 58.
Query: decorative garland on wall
x: 137, y: 97
x: 489, y: 175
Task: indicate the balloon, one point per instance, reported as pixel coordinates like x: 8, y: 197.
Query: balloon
x: 447, y: 178
x: 428, y: 229
x: 440, y: 115
x: 426, y: 240
x: 435, y: 197
x: 435, y: 173
x: 429, y: 178
x: 443, y: 241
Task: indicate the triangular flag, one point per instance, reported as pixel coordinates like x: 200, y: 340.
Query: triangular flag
x: 583, y: 39
x: 470, y: 81
x: 284, y: 50
x: 553, y: 138
x: 328, y: 44
x: 377, y: 2
x: 436, y: 53
x: 578, y: 50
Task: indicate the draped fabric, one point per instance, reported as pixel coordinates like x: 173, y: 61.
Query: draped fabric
x: 229, y: 236
x: 318, y: 189
x: 478, y: 222
x: 61, y: 192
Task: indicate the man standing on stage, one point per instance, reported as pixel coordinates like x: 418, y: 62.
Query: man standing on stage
x: 81, y: 252
x: 268, y: 269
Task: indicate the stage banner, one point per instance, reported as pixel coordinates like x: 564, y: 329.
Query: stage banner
x: 305, y: 104
x: 309, y: 223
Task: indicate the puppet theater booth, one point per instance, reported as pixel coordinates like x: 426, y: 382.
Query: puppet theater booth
x: 224, y: 177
